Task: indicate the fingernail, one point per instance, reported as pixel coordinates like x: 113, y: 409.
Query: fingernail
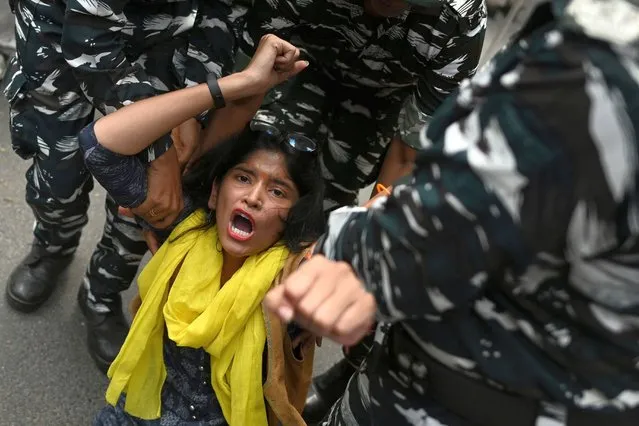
x: 306, y: 63
x: 286, y: 313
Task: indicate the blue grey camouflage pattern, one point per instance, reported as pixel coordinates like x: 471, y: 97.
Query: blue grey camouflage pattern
x: 369, y: 78
x: 76, y: 56
x: 512, y: 256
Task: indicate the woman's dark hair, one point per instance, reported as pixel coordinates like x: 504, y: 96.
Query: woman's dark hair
x: 305, y: 221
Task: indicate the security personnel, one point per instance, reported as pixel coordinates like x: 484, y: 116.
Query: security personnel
x: 378, y: 70
x: 506, y: 273
x: 73, y: 57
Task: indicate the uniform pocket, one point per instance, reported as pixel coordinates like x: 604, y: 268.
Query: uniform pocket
x: 24, y: 129
x: 14, y: 81
x: 23, y: 122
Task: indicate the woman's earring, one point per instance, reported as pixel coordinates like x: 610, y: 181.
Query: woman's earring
x: 218, y: 246
x: 209, y: 216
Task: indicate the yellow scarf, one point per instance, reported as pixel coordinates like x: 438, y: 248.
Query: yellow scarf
x: 227, y: 322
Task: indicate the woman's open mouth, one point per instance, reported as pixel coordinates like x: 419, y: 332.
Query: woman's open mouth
x: 241, y: 226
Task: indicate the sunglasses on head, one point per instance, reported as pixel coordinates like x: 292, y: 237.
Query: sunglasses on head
x: 296, y: 141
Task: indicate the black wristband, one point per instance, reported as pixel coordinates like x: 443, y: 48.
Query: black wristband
x: 216, y: 93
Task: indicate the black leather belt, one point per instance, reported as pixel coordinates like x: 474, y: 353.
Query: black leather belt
x: 480, y: 403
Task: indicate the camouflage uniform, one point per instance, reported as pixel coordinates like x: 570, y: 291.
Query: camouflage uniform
x: 511, y: 259
x: 369, y: 78
x: 76, y: 56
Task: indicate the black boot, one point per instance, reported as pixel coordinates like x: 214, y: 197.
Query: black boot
x: 32, y: 282
x: 325, y: 390
x: 106, y: 327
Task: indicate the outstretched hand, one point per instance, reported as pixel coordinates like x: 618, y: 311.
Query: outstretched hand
x: 164, y: 200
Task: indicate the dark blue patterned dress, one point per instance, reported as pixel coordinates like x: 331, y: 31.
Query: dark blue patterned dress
x: 187, y: 396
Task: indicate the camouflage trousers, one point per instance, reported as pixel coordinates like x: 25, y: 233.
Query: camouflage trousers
x: 47, y: 110
x: 385, y: 399
x: 383, y: 393
x: 352, y: 126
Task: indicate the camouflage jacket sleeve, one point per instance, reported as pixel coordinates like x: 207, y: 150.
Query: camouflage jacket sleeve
x: 93, y: 46
x: 495, y: 185
x: 430, y: 246
x: 459, y: 48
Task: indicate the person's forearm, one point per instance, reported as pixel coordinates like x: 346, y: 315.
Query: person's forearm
x: 398, y: 162
x: 134, y: 127
x: 228, y: 122
x: 224, y: 124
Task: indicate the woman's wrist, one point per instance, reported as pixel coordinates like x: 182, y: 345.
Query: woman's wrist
x: 238, y: 86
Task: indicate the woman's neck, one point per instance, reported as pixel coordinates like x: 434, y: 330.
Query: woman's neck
x: 230, y: 265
